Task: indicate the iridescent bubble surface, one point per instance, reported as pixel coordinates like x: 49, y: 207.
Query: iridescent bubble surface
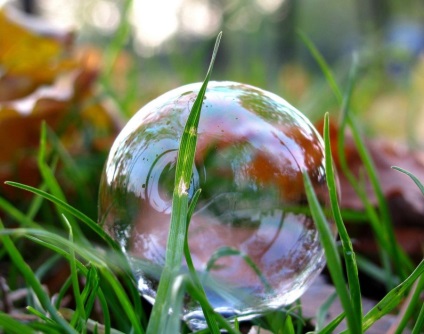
x: 252, y: 240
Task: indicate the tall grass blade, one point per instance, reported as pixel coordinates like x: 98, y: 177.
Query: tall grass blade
x: 184, y: 167
x: 348, y: 252
x: 384, y: 230
x: 333, y: 260
x: 209, y: 317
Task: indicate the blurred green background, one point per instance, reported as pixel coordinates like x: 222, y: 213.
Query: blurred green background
x: 168, y: 43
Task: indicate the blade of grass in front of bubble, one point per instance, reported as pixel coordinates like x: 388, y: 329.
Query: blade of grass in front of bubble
x: 348, y: 252
x: 333, y: 260
x: 172, y: 321
x: 183, y: 173
x: 32, y: 281
x: 392, y: 299
x: 210, y: 320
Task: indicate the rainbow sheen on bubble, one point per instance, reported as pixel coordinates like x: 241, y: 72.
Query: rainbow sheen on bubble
x: 252, y: 240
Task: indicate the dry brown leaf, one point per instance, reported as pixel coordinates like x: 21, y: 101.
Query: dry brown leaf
x: 43, y: 78
x: 28, y: 58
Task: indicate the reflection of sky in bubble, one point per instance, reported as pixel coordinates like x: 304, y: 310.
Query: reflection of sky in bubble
x: 252, y: 148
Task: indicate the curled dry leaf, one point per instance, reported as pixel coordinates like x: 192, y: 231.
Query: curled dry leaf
x: 44, y: 78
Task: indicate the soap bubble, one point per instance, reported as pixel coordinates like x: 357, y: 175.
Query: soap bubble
x: 252, y: 239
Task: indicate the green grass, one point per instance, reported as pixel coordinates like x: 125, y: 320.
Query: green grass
x: 100, y: 282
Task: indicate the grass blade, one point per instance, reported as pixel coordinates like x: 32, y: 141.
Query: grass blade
x: 172, y: 323
x: 332, y: 325
x: 79, y: 316
x: 16, y: 214
x: 412, y: 176
x: 392, y: 299
x: 12, y: 326
x: 210, y: 320
x: 50, y: 180
x: 402, y: 263
x: 229, y: 251
x: 383, y: 231
x: 323, y: 311
x: 331, y: 254
x: 348, y: 252
x: 68, y: 208
x: 410, y: 305
x: 184, y: 167
x: 32, y: 281
x: 419, y: 325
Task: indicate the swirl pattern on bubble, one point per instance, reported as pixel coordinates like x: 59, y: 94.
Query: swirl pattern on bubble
x: 251, y: 238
